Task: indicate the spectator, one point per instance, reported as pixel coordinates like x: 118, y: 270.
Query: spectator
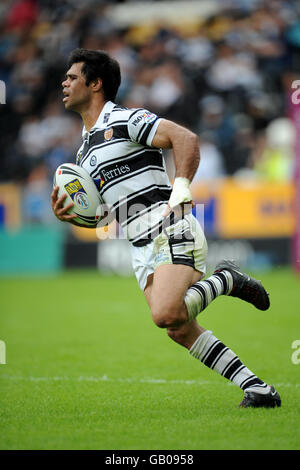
x: 274, y: 160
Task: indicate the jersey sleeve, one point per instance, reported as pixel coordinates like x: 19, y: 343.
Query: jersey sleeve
x: 142, y: 125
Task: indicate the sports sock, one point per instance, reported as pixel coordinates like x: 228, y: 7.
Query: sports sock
x: 215, y: 355
x: 202, y: 293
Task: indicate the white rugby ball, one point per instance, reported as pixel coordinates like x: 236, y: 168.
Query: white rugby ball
x: 77, y: 184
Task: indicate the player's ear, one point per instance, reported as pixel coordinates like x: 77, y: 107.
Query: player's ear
x: 96, y: 85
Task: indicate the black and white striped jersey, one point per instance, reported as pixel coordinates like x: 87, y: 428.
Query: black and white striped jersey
x: 129, y: 173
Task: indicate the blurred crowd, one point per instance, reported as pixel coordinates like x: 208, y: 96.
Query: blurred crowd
x: 227, y: 77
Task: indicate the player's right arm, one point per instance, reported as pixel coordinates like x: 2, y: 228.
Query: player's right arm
x: 61, y: 211
x: 185, y: 146
x: 148, y: 129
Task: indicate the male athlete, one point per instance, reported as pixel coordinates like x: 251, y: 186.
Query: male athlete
x: 121, y: 150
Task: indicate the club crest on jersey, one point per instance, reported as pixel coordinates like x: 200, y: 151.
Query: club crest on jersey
x: 108, y: 133
x: 101, y: 183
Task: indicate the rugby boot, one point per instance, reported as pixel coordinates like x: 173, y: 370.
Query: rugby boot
x: 245, y: 287
x: 254, y: 399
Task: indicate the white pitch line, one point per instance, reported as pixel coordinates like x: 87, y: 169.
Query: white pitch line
x: 133, y: 380
x: 104, y: 378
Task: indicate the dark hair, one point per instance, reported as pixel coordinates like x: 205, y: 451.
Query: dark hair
x: 98, y: 64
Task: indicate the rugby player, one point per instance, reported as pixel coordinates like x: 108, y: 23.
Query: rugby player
x: 122, y: 151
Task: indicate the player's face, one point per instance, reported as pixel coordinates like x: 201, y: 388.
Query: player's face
x: 76, y: 94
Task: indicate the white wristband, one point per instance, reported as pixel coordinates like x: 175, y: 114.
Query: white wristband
x: 181, y: 192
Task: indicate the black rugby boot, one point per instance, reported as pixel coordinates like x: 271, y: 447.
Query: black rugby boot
x: 253, y: 399
x: 244, y: 286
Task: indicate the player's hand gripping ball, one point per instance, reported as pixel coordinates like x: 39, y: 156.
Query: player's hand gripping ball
x: 77, y: 184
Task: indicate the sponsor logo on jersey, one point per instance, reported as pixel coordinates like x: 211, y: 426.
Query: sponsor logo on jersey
x: 112, y: 173
x: 106, y: 118
x: 108, y: 133
x: 137, y: 120
x: 147, y: 117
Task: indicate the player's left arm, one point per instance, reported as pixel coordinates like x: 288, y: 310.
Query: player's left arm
x: 185, y: 146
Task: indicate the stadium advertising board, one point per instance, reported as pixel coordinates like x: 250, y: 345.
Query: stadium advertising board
x: 247, y: 209
x: 10, y: 201
x: 251, y: 222
x: 235, y: 209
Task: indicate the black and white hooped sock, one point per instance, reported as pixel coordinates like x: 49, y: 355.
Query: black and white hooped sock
x: 202, y: 293
x: 215, y: 355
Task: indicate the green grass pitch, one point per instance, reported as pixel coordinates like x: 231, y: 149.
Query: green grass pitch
x: 87, y: 369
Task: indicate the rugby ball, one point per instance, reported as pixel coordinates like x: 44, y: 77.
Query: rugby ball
x: 77, y: 184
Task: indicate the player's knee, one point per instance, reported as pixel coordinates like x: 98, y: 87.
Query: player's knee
x: 164, y: 321
x: 167, y: 316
